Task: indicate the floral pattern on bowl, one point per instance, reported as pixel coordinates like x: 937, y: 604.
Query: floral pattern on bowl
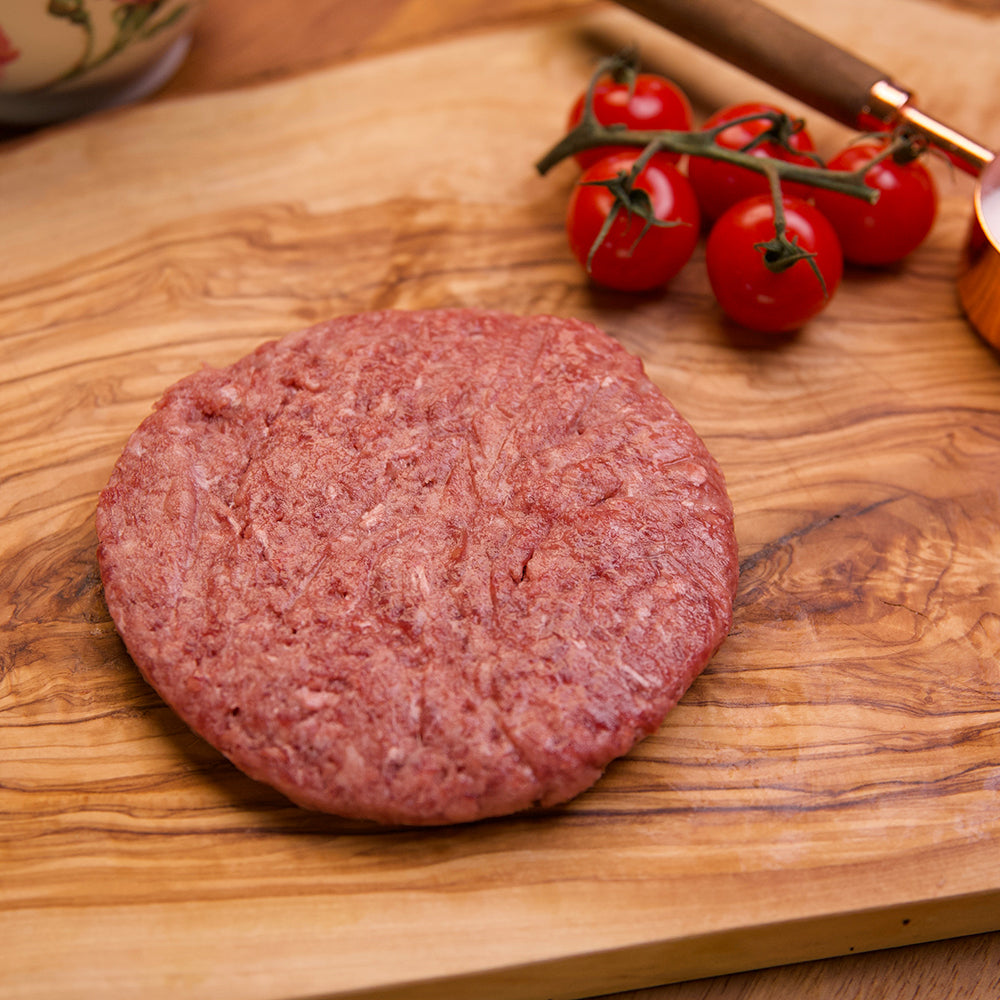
x: 59, y: 58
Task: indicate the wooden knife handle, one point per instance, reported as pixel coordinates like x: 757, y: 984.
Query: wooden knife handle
x: 773, y: 49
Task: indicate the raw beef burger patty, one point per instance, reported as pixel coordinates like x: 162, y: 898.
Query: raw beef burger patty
x: 420, y: 567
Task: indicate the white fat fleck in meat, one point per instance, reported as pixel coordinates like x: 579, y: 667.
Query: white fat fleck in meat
x: 373, y: 515
x: 352, y: 770
x: 314, y: 700
x: 641, y: 679
x: 202, y: 479
x: 698, y: 474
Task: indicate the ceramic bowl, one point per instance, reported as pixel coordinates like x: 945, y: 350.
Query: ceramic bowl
x: 61, y: 58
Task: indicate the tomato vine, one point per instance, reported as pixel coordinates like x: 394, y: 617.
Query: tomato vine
x: 777, y: 149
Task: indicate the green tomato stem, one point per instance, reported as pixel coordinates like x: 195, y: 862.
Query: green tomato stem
x: 590, y: 133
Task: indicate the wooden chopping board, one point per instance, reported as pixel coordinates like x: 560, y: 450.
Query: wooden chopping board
x: 829, y: 785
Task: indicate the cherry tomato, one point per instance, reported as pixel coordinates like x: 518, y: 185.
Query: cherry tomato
x: 751, y: 293
x: 885, y: 232
x: 633, y: 255
x: 651, y: 103
x: 720, y: 185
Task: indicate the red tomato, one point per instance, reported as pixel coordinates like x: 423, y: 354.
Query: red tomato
x: 720, y: 185
x: 633, y: 255
x: 897, y: 223
x: 748, y: 291
x: 651, y: 103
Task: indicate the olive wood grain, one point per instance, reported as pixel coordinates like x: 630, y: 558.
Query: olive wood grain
x: 830, y: 783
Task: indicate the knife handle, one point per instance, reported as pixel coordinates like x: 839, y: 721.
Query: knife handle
x: 805, y: 66
x: 773, y: 49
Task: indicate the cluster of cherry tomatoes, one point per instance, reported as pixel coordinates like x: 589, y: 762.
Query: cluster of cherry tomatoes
x: 635, y: 217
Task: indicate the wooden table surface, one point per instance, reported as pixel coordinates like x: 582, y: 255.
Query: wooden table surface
x: 240, y: 45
